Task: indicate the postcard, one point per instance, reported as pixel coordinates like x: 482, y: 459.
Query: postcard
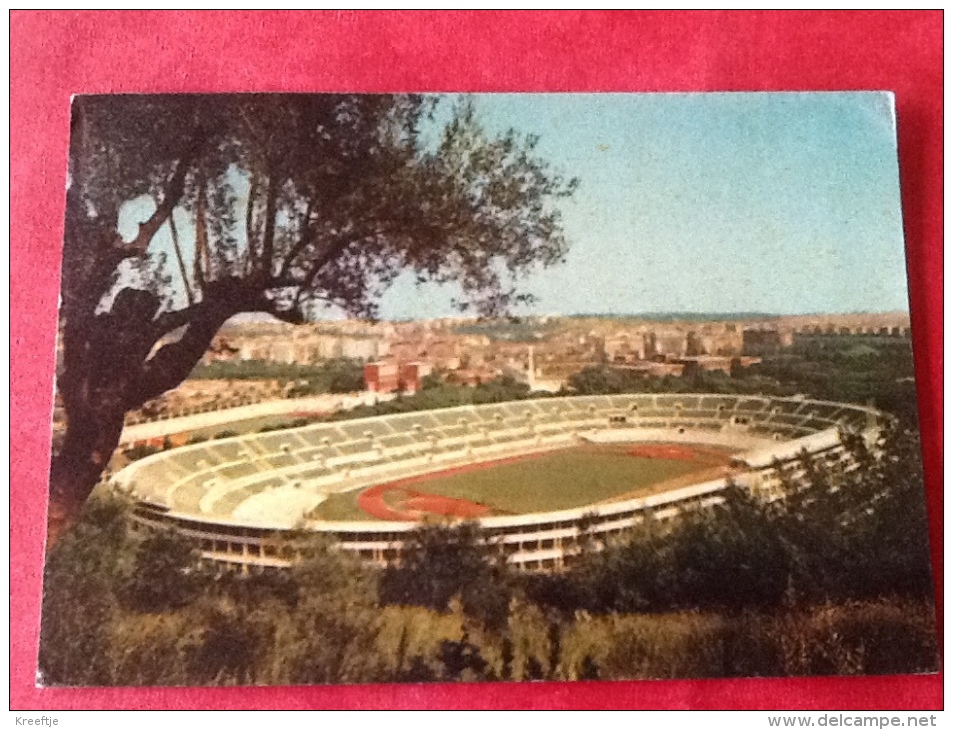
x: 364, y: 388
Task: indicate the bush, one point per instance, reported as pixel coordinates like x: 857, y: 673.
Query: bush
x: 872, y: 637
x: 442, y: 563
x: 728, y: 556
x: 164, y: 575
x: 81, y: 580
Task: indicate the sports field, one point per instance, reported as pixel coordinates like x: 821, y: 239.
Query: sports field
x: 537, y: 483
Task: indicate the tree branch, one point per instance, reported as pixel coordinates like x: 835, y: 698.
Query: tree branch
x: 172, y: 362
x: 307, y: 237
x: 268, y: 238
x: 250, y: 222
x: 170, y: 198
x: 332, y: 252
x: 169, y: 321
x: 201, y: 262
x: 291, y: 316
x: 181, y: 261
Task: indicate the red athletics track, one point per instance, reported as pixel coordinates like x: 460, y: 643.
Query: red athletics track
x: 409, y: 504
x: 416, y: 504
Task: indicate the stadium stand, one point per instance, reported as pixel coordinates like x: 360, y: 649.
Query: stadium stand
x: 223, y: 494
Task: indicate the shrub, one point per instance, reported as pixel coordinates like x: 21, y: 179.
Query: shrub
x: 80, y: 582
x: 443, y: 562
x: 165, y: 574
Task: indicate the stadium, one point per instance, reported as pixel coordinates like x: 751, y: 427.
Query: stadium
x: 542, y: 477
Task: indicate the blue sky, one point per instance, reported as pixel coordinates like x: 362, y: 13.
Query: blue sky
x: 781, y: 203
x: 785, y: 203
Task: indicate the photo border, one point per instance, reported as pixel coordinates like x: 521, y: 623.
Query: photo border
x: 56, y: 54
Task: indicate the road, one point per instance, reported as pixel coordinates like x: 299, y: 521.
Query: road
x: 244, y: 419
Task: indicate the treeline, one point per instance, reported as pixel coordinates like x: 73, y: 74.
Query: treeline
x: 435, y: 394
x: 607, y: 380
x: 334, y: 376
x: 882, y: 378
x: 833, y: 579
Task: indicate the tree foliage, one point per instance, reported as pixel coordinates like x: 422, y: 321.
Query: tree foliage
x: 165, y: 574
x: 81, y: 578
x: 279, y: 204
x: 340, y: 194
x: 443, y: 563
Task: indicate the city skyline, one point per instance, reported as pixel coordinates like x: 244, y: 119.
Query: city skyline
x: 648, y: 317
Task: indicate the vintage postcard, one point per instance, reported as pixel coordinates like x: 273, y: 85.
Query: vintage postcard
x: 496, y: 387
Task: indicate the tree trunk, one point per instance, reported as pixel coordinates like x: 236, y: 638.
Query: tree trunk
x: 89, y: 443
x: 108, y: 371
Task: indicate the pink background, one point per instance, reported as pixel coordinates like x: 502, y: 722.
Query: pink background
x: 56, y: 54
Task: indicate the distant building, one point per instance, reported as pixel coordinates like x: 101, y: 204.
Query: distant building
x: 695, y: 345
x: 381, y: 377
x: 710, y: 363
x: 648, y: 369
x: 392, y: 377
x: 412, y: 374
x: 360, y: 348
x: 665, y: 342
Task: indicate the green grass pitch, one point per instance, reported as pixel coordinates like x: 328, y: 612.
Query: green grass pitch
x: 546, y: 482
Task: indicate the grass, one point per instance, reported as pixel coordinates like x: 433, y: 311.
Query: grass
x: 548, y: 482
x: 886, y: 636
x: 341, y: 507
x: 869, y: 637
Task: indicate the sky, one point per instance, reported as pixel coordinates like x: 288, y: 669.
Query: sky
x: 778, y: 203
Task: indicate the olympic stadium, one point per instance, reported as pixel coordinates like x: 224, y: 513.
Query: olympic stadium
x: 541, y: 477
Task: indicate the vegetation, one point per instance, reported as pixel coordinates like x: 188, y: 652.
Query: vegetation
x: 333, y: 376
x: 444, y: 564
x: 833, y: 579
x: 836, y: 368
x: 286, y: 204
x: 880, y: 375
x: 605, y: 379
x: 436, y: 395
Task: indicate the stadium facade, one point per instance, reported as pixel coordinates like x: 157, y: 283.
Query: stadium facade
x: 242, y: 500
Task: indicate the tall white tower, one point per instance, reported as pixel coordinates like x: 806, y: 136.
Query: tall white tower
x: 531, y: 370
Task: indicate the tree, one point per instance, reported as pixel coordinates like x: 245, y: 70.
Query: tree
x: 596, y: 381
x: 165, y: 574
x: 279, y: 204
x: 441, y: 563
